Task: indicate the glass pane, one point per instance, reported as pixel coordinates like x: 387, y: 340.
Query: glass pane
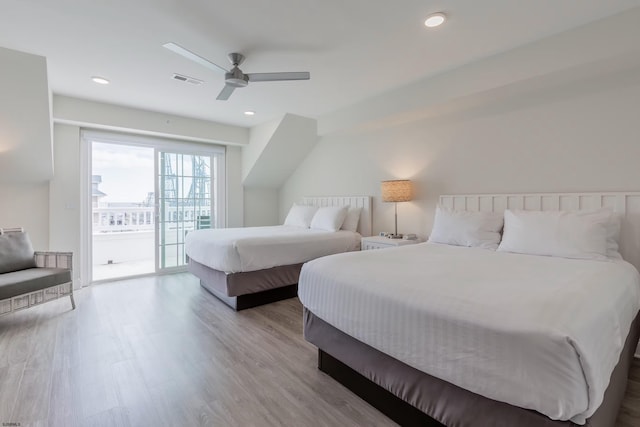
x: 186, y: 187
x: 181, y: 255
x: 170, y: 233
x: 170, y: 258
x: 187, y: 165
x: 206, y: 161
x: 123, y: 212
x: 186, y: 202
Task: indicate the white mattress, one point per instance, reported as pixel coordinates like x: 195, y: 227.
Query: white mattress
x: 536, y: 332
x: 235, y: 250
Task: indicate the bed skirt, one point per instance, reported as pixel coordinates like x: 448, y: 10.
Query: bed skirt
x: 379, y: 379
x: 248, y: 289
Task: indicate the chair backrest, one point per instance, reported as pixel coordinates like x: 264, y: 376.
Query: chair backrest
x: 16, y: 251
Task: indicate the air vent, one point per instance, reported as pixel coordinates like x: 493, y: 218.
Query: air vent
x: 187, y: 79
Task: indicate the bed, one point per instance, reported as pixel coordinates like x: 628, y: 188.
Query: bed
x: 433, y: 334
x: 246, y: 267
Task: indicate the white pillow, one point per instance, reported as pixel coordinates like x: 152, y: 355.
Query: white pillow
x: 352, y: 219
x: 579, y: 234
x: 466, y: 228
x: 300, y: 215
x: 613, y: 236
x: 329, y: 218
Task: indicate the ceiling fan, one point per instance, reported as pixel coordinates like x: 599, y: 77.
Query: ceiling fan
x: 235, y: 78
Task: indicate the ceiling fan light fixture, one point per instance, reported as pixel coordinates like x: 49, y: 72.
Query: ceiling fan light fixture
x: 435, y: 20
x: 100, y: 80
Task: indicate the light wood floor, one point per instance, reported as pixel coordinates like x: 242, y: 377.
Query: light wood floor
x: 163, y: 352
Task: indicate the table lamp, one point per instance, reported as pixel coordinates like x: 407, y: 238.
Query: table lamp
x: 399, y: 190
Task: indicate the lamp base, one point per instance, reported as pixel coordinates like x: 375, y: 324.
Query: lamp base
x: 394, y: 236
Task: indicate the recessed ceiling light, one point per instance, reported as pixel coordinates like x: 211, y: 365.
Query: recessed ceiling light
x: 435, y: 20
x: 100, y: 80
x: 249, y: 113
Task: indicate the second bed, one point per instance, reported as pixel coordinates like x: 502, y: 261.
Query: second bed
x: 245, y: 267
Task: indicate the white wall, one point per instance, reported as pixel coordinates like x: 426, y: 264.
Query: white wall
x: 25, y: 118
x: 558, y: 114
x: 261, y: 207
x: 64, y: 195
x: 585, y: 137
x: 26, y: 159
x: 259, y: 137
x: 27, y: 205
x: 235, y: 191
x: 100, y: 115
x: 280, y: 156
x: 274, y: 151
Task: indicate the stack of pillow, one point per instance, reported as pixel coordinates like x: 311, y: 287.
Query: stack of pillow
x: 330, y: 218
x: 586, y: 234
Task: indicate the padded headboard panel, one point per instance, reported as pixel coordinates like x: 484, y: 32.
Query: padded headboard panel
x: 364, y: 202
x: 626, y: 204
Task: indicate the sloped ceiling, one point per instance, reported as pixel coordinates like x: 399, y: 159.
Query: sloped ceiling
x: 26, y: 150
x: 354, y: 49
x: 604, y: 50
x: 273, y: 154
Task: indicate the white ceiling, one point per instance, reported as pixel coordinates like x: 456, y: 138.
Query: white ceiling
x: 354, y: 49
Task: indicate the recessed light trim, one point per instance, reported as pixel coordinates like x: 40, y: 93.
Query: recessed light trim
x: 100, y: 80
x: 249, y: 113
x: 435, y: 20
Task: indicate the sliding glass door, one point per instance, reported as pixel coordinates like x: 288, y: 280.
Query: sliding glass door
x: 187, y: 199
x: 143, y: 196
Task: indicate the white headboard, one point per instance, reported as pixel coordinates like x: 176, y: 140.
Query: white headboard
x: 364, y: 202
x: 626, y: 204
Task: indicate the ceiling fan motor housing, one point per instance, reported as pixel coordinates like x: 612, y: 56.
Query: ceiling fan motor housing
x: 236, y: 78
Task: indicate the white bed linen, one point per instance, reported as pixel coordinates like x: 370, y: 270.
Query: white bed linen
x: 235, y: 250
x: 536, y: 332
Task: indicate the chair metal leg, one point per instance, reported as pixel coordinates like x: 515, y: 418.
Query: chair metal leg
x: 73, y: 303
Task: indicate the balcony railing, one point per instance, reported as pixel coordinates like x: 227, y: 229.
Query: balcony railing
x: 115, y: 219
x: 142, y: 218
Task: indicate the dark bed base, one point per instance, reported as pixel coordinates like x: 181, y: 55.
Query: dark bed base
x: 381, y: 399
x: 370, y: 373
x: 242, y: 302
x: 248, y: 289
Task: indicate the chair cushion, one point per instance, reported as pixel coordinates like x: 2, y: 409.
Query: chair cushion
x: 16, y: 252
x: 30, y: 280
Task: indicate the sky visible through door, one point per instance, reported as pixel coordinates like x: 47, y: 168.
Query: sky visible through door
x: 123, y: 210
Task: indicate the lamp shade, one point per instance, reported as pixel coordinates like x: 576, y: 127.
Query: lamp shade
x: 400, y: 190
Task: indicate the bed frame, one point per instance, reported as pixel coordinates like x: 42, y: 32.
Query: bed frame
x: 411, y: 397
x: 250, y: 289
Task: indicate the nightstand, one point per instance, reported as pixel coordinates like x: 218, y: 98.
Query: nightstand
x: 377, y: 242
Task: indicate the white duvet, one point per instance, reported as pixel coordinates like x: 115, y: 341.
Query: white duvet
x: 536, y: 332
x: 235, y: 250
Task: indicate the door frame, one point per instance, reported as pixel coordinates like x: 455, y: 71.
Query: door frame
x: 87, y: 136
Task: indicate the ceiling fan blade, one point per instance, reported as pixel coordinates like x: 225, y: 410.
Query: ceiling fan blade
x: 225, y: 93
x: 194, y: 57
x: 274, y: 77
